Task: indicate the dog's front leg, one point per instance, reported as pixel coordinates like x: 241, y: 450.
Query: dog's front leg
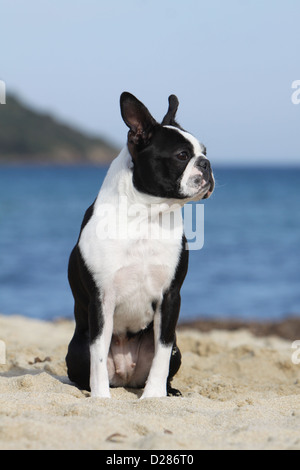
x: 165, y: 322
x: 101, y: 327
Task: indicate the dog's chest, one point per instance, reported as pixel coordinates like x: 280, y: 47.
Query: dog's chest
x: 139, y: 284
x: 131, y: 274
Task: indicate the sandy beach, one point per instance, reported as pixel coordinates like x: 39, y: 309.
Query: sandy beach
x: 240, y: 391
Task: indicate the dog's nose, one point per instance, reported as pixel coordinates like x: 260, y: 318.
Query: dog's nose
x: 204, y: 164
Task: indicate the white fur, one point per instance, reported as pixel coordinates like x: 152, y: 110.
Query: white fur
x: 130, y: 273
x: 156, y: 385
x: 99, y: 350
x: 198, y: 147
x: 189, y: 188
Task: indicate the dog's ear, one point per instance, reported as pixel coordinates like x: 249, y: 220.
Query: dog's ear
x: 137, y: 117
x: 169, y: 119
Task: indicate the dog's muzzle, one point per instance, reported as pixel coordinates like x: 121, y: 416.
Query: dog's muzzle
x: 207, y: 182
x: 197, y: 181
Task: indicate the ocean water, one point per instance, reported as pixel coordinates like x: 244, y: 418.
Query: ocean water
x: 249, y: 267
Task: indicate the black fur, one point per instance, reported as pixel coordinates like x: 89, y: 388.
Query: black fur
x: 155, y: 149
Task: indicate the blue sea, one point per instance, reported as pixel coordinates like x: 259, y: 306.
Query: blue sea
x: 249, y: 267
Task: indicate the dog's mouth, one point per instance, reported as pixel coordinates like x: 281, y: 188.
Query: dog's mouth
x: 209, y: 193
x: 208, y: 189
x: 199, y: 186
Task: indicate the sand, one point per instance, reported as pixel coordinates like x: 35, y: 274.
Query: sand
x: 239, y: 392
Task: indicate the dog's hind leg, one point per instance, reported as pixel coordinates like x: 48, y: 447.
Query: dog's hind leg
x: 78, y: 357
x: 78, y: 360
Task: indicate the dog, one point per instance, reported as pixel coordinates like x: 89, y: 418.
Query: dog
x: 127, y: 289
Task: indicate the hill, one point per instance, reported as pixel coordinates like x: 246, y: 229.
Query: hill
x: 28, y: 136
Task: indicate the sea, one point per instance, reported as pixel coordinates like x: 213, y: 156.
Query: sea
x: 248, y: 268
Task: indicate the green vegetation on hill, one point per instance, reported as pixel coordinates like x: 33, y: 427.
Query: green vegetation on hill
x: 30, y: 136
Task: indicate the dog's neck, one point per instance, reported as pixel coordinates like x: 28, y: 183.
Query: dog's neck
x: 119, y: 183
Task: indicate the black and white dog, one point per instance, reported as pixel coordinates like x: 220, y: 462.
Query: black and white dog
x: 127, y: 288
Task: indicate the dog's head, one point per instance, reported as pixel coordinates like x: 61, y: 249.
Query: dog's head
x: 168, y: 162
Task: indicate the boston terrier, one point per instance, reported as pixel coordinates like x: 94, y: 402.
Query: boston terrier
x: 127, y: 268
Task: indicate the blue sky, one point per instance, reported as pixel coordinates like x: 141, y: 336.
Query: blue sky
x: 231, y: 64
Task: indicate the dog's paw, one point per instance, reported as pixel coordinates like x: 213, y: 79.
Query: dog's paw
x: 100, y: 394
x: 154, y: 392
x: 173, y: 392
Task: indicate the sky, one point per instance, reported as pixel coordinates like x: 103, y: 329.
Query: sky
x: 231, y: 63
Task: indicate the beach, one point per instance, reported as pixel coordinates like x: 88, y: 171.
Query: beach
x: 240, y: 391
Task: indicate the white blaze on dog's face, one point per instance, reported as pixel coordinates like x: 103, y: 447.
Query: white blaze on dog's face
x: 197, y: 181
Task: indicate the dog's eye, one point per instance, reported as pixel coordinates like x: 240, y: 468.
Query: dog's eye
x: 183, y: 156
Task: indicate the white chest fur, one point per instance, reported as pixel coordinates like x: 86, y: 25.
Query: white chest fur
x: 132, y: 264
